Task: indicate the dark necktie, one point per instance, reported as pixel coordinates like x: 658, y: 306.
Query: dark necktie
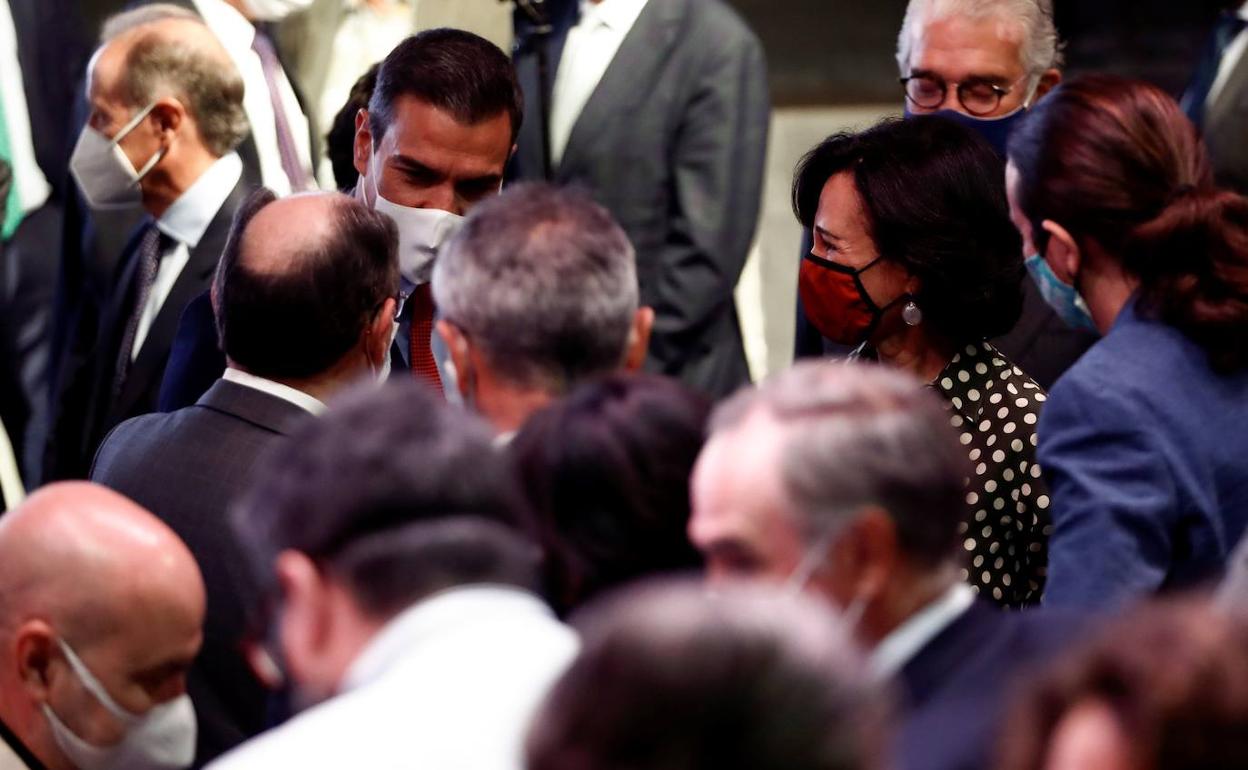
x: 424, y: 367
x: 286, y: 147
x: 151, y: 248
x: 1224, y: 33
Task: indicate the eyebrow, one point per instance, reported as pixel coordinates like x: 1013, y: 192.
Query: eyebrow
x: 827, y: 235
x: 409, y: 164
x: 994, y: 79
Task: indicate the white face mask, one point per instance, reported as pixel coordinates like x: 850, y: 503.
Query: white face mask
x: 161, y: 739
x: 422, y: 232
x: 273, y: 10
x: 106, y: 177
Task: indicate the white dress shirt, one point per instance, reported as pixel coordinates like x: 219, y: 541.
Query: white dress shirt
x: 236, y: 34
x: 1230, y: 57
x: 32, y: 186
x: 185, y: 222
x: 905, y: 641
x: 452, y: 682
x: 11, y: 488
x: 309, y: 404
x: 587, y: 52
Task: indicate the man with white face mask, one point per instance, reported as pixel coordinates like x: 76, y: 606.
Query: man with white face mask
x: 432, y: 143
x: 847, y: 481
x: 166, y: 115
x: 101, y: 609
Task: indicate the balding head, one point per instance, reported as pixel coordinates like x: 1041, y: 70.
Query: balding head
x: 305, y: 286
x: 84, y: 566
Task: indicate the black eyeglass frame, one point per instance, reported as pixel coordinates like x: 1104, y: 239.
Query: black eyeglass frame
x: 999, y: 92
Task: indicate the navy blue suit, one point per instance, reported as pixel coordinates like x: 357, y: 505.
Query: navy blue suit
x: 1146, y: 449
x: 954, y: 695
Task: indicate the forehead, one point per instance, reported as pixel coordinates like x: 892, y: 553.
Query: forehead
x: 840, y: 207
x: 957, y: 48
x: 104, y: 71
x: 434, y: 138
x: 738, y: 483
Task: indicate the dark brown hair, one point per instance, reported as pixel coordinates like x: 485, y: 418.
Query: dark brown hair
x: 1116, y: 162
x: 1174, y: 675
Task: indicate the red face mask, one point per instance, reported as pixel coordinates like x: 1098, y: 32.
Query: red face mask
x: 836, y: 302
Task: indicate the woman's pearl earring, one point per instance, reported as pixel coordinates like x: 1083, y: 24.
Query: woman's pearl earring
x: 911, y: 314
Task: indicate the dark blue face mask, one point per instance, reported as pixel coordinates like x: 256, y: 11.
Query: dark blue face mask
x: 995, y: 130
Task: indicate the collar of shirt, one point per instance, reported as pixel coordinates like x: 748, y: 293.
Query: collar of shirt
x: 444, y: 612
x: 905, y: 641
x: 231, y: 27
x: 297, y: 397
x: 186, y: 220
x: 1243, y: 11
x: 616, y: 15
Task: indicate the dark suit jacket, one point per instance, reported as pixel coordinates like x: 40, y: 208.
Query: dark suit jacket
x: 85, y: 408
x: 187, y: 467
x: 954, y: 694
x: 1222, y: 121
x: 1144, y: 446
x: 672, y: 142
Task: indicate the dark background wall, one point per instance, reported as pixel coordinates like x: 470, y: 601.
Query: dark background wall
x: 841, y: 51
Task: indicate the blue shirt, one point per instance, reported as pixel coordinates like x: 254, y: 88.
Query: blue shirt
x: 1146, y: 451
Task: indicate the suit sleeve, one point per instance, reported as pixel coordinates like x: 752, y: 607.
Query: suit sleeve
x: 718, y: 160
x: 1114, y: 499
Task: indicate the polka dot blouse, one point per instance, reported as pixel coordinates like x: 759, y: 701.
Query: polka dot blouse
x: 995, y: 406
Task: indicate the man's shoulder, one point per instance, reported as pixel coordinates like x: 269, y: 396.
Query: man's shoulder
x: 717, y: 19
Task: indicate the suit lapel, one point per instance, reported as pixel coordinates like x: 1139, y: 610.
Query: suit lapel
x: 629, y: 76
x: 195, y: 277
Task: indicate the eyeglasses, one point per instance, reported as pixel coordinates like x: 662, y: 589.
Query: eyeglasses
x: 978, y: 97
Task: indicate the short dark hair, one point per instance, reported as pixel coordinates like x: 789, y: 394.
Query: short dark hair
x: 340, y: 139
x: 298, y: 321
x: 452, y: 70
x: 606, y: 470
x: 933, y: 192
x: 396, y: 493
x: 669, y: 678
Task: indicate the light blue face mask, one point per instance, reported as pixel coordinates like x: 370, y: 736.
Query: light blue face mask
x: 1062, y: 297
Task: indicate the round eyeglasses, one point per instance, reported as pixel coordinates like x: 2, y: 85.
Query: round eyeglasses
x: 978, y: 97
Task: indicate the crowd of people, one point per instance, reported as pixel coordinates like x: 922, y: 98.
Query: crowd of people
x: 459, y: 464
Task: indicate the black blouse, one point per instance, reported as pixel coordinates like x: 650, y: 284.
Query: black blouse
x: 995, y: 408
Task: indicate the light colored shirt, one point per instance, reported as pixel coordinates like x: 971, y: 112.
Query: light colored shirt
x: 1230, y: 58
x: 451, y: 682
x: 236, y: 34
x: 308, y: 403
x: 10, y: 480
x: 185, y: 222
x: 32, y: 186
x: 587, y: 52
x: 905, y: 641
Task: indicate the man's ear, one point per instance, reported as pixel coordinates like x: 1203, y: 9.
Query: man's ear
x: 1062, y: 252
x: 870, y: 551
x: 638, y: 339
x: 305, y: 620
x: 377, y: 338
x: 167, y: 116
x: 461, y: 354
x: 33, y: 645
x: 363, y: 146
x: 1049, y: 80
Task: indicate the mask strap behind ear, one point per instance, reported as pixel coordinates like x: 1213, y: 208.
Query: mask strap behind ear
x: 92, y: 684
x: 130, y: 125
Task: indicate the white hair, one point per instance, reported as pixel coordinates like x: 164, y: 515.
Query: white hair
x: 1031, y: 21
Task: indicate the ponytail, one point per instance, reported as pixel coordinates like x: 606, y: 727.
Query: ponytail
x: 1192, y: 262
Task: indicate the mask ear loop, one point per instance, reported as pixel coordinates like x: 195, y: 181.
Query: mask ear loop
x: 93, y: 685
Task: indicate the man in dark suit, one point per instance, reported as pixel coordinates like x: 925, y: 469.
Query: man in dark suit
x: 176, y: 127
x: 849, y: 483
x: 1217, y: 98
x: 306, y: 299
x: 661, y: 110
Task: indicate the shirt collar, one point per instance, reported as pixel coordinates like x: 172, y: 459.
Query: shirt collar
x: 616, y: 15
x: 297, y: 397
x: 905, y: 641
x: 444, y: 612
x: 188, y: 217
x: 230, y: 26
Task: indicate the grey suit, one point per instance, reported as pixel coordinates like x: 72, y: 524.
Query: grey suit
x: 672, y: 142
x: 186, y: 467
x: 1223, y: 119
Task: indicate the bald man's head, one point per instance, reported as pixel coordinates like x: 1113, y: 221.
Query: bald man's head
x: 304, y: 284
x: 83, y: 566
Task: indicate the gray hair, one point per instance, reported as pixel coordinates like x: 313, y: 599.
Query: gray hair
x: 727, y: 669
x: 193, y: 68
x: 1039, y: 45
x: 858, y: 435
x: 544, y: 282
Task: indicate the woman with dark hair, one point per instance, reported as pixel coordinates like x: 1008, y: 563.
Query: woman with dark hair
x: 1165, y: 688
x: 1145, y: 439
x: 606, y: 470
x: 915, y: 261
